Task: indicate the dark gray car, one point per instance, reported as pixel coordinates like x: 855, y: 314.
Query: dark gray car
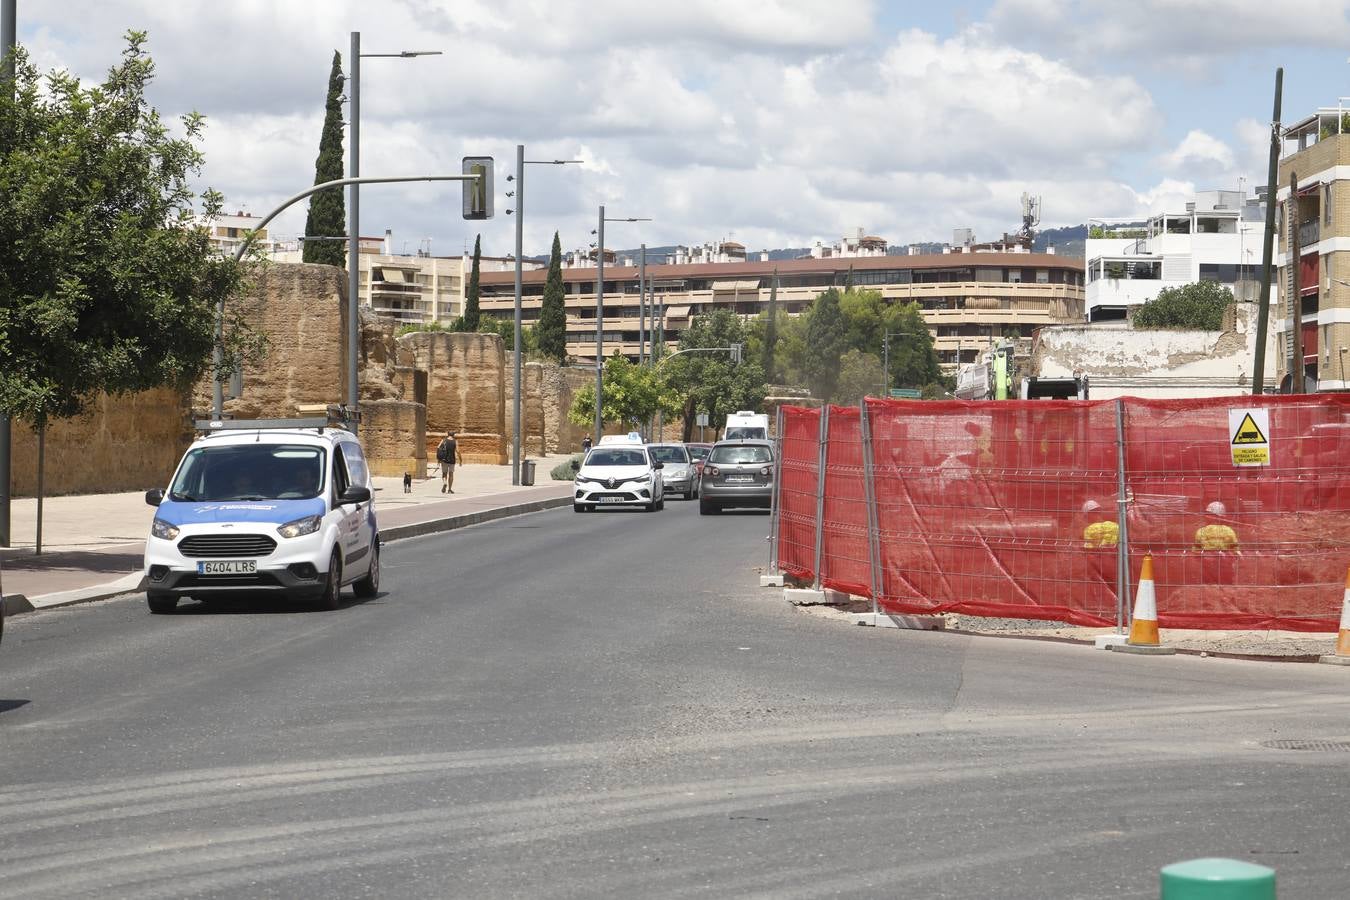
x: 737, y: 473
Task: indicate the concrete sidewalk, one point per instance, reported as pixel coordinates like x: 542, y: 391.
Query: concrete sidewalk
x: 93, y: 544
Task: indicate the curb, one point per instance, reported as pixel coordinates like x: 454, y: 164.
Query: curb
x: 18, y: 603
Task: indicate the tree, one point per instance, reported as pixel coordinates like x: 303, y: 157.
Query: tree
x: 710, y: 382
x: 471, y: 313
x: 506, y: 329
x: 327, y: 213
x: 106, y: 285
x: 1200, y: 306
x: 552, y: 327
x: 827, y: 337
x: 770, y: 340
x: 860, y: 375
x: 632, y: 394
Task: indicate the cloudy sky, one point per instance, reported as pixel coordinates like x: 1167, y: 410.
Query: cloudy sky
x: 774, y: 122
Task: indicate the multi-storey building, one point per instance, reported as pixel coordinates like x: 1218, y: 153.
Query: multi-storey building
x: 227, y: 232
x: 1317, y: 151
x: 1216, y: 238
x: 968, y: 299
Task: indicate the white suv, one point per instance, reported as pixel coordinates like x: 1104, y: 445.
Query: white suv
x: 284, y: 509
x: 618, y: 475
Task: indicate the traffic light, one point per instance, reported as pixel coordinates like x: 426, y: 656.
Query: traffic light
x: 736, y: 353
x: 478, y: 191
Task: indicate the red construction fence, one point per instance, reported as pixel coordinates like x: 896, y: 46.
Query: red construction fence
x: 1014, y: 508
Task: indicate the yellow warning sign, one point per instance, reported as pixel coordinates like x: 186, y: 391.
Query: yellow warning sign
x: 1249, y: 440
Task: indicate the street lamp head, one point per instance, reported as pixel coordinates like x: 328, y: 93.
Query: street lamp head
x: 410, y: 53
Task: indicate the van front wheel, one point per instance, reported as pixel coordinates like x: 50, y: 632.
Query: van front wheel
x: 331, y: 597
x: 369, y: 586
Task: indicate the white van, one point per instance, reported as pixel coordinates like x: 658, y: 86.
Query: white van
x: 277, y: 505
x: 746, y: 425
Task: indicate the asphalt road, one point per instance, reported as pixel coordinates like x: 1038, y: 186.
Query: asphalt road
x: 606, y: 704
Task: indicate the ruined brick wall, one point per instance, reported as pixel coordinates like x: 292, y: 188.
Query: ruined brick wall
x: 466, y: 380
x: 393, y: 434
x: 125, y: 443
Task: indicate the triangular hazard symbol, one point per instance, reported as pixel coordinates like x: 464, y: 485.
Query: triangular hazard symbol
x: 1249, y: 432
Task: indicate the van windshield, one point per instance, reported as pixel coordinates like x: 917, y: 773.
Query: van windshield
x: 250, y: 472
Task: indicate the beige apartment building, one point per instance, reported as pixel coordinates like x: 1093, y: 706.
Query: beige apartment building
x: 969, y: 299
x: 1317, y: 150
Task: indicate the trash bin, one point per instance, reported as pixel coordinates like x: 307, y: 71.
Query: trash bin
x: 527, y: 472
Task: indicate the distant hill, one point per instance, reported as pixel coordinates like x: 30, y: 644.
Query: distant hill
x: 1067, y: 241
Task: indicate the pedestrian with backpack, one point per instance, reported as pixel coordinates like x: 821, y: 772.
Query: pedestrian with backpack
x: 447, y: 454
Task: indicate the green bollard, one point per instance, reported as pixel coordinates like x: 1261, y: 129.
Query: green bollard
x: 1217, y: 879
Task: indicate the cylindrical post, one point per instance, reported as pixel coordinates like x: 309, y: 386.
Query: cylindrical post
x: 642, y: 305
x: 1297, y: 379
x: 41, y: 484
x: 873, y: 520
x: 8, y: 37
x: 515, y: 354
x: 822, y: 458
x: 1122, y: 523
x: 886, y: 364
x: 599, y: 324
x: 775, y: 495
x: 1267, y: 244
x: 354, y: 230
x: 1216, y: 879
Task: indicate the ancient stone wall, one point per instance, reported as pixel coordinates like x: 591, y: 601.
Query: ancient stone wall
x: 124, y: 443
x: 466, y: 377
x: 393, y: 434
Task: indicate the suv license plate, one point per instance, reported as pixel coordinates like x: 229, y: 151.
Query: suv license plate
x: 611, y: 499
x: 228, y: 567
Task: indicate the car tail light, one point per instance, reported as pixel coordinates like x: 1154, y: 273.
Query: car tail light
x: 766, y: 471
x: 713, y: 471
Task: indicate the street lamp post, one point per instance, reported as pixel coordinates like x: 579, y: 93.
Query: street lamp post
x: 9, y: 30
x: 354, y: 215
x: 600, y: 315
x: 521, y: 163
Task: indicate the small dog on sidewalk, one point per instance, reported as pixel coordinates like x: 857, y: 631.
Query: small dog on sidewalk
x: 407, y: 482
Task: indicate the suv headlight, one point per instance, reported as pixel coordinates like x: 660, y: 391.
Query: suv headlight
x: 163, y: 530
x: 307, y: 525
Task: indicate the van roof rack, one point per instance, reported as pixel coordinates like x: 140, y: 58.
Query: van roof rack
x: 338, y: 417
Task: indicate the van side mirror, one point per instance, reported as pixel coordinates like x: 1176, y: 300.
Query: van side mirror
x: 355, y: 494
x: 155, y: 497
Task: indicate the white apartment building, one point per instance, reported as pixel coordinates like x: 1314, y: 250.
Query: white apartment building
x: 227, y: 232
x: 1217, y: 237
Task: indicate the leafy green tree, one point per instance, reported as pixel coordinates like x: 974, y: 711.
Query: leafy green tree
x: 710, y: 382
x: 632, y: 395
x: 326, y: 210
x: 1200, y: 306
x: 860, y: 375
x: 105, y: 283
x: 471, y: 314
x: 506, y: 329
x: 827, y: 338
x: 552, y: 328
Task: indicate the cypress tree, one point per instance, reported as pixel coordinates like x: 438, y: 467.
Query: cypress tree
x: 552, y: 328
x: 771, y: 331
x: 327, y: 212
x: 471, y: 314
x: 826, y: 341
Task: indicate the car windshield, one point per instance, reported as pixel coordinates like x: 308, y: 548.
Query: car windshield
x: 742, y: 432
x: 744, y: 453
x: 669, y: 454
x: 699, y: 452
x: 250, y: 472
x: 606, y: 456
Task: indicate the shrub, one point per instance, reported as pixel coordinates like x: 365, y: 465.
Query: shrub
x: 563, y: 470
x: 1200, y: 305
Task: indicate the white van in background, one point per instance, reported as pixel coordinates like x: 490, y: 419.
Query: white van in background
x: 746, y: 425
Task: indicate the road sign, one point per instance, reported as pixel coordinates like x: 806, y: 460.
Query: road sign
x: 1249, y: 436
x: 701, y: 420
x: 906, y: 393
x: 478, y: 191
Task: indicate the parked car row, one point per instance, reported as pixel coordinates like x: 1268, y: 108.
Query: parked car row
x: 623, y: 471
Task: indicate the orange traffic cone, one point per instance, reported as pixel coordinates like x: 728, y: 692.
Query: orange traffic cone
x: 1144, y: 623
x: 1342, y: 655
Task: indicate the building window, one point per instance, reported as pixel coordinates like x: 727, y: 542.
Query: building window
x: 1326, y: 203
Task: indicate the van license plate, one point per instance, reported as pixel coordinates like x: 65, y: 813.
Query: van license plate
x: 228, y: 567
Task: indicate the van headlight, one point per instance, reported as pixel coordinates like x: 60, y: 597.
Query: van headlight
x: 163, y: 530
x: 307, y: 525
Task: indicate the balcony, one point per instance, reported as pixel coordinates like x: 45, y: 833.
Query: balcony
x: 1309, y: 233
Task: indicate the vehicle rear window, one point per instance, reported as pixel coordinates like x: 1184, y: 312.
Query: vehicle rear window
x: 669, y: 454
x: 739, y: 455
x: 605, y: 456
x: 699, y: 452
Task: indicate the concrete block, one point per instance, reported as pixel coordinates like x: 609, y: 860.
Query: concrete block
x: 1107, y: 641
x: 914, y: 623
x: 801, y: 596
x: 1333, y: 660
x: 1140, y: 650
x: 771, y: 581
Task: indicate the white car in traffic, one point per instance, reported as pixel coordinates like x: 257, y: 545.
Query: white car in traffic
x: 618, y: 475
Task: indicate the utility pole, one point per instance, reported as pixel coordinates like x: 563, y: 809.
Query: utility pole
x: 642, y: 306
x: 1267, y: 244
x: 1296, y: 377
x: 9, y: 16
x: 599, y: 323
x: 515, y: 353
x: 354, y: 231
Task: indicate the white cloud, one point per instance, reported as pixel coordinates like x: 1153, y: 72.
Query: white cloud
x: 1200, y: 154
